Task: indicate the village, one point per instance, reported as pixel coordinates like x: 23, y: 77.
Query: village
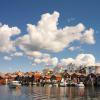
x: 56, y: 77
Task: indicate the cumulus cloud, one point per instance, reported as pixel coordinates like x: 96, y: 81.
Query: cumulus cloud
x: 73, y: 48
x: 37, y: 61
x: 35, y: 54
x: 49, y: 61
x: 80, y: 60
x: 67, y: 61
x: 54, y: 61
x: 44, y: 58
x: 6, y: 43
x: 85, y: 59
x: 47, y: 36
x: 88, y: 36
x: 17, y: 54
x: 7, y: 58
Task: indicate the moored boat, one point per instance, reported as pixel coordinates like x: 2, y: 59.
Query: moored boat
x: 14, y: 84
x: 80, y: 84
x: 63, y: 83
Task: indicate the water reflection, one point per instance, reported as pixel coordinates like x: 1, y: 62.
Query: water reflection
x: 81, y: 92
x: 49, y: 93
x: 15, y: 92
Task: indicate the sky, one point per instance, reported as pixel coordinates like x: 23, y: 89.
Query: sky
x: 35, y: 34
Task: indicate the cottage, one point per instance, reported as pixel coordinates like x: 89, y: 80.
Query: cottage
x: 90, y: 80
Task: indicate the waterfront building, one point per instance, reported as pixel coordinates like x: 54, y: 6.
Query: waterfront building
x: 19, y: 73
x: 97, y: 72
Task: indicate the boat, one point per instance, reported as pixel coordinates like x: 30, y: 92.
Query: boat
x: 63, y: 83
x: 80, y: 84
x: 14, y: 84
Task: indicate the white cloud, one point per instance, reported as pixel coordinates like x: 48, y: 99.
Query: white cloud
x: 67, y: 61
x: 46, y: 36
x: 45, y: 58
x: 35, y: 54
x: 85, y: 59
x: 88, y: 37
x: 6, y: 44
x: 37, y: 61
x: 53, y: 61
x: 73, y: 48
x: 33, y: 64
x: 18, y: 54
x: 7, y: 58
x: 81, y: 59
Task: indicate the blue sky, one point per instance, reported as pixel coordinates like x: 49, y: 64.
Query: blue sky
x: 21, y: 12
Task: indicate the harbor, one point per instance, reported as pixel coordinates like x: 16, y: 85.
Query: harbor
x: 48, y: 77
x: 49, y: 50
x: 49, y: 93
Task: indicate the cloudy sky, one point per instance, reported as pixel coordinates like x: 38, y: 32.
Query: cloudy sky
x: 35, y: 34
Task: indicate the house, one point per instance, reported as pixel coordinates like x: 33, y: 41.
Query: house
x: 97, y: 72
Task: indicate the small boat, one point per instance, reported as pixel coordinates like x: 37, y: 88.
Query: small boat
x: 14, y: 84
x: 80, y: 84
x: 63, y: 83
x: 55, y: 85
x: 70, y: 83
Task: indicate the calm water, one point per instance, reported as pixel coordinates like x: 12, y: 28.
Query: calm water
x: 49, y: 93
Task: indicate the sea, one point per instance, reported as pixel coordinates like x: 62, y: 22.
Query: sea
x: 49, y: 93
